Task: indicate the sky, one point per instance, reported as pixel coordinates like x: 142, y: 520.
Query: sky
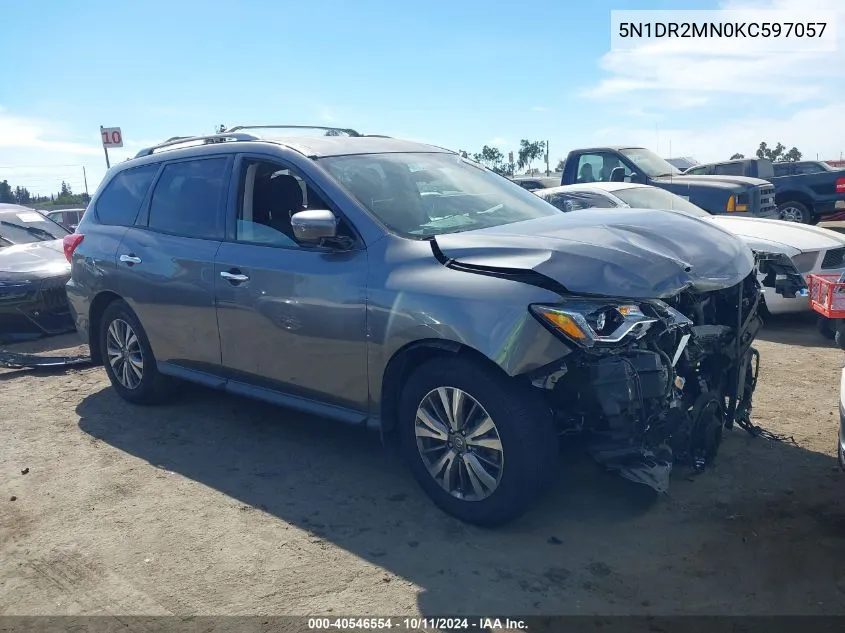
x: 455, y: 74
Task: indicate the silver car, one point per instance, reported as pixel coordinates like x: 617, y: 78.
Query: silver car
x: 399, y: 286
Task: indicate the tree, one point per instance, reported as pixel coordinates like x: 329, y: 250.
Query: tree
x: 530, y: 151
x: 792, y: 156
x: 494, y: 159
x: 560, y: 164
x: 490, y: 157
x: 334, y: 132
x: 220, y: 129
x: 22, y: 195
x: 6, y: 192
x: 778, y: 154
x: 737, y: 156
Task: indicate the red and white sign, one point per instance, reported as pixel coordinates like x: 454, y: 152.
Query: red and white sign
x: 112, y: 137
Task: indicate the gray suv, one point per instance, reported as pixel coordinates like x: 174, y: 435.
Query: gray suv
x: 399, y: 286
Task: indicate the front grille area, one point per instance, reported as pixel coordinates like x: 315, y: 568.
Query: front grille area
x: 767, y: 198
x: 834, y: 258
x: 53, y: 295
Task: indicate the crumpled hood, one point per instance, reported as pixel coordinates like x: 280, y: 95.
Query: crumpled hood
x: 630, y: 253
x: 39, y: 258
x: 802, y: 237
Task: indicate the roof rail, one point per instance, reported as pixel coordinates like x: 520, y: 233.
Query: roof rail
x: 348, y: 131
x: 207, y: 139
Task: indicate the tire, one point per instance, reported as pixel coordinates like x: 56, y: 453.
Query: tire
x: 840, y: 454
x: 522, y: 424
x: 795, y: 212
x: 826, y: 328
x: 151, y: 387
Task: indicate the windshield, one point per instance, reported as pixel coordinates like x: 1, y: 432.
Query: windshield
x: 24, y: 227
x: 421, y: 195
x: 654, y: 198
x: 649, y: 163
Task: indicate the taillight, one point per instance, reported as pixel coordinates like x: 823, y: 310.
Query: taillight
x: 840, y: 185
x: 70, y: 242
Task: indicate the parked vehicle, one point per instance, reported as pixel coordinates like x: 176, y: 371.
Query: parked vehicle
x: 532, y: 183
x: 805, y: 191
x: 715, y: 194
x: 811, y: 249
x: 400, y: 286
x: 68, y: 218
x: 33, y: 274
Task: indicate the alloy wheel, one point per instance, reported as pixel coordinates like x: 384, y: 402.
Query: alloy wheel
x: 792, y: 214
x: 124, y: 354
x: 459, y: 444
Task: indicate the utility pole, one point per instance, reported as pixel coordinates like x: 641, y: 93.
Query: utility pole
x: 85, y: 180
x: 106, y: 150
x: 547, y: 157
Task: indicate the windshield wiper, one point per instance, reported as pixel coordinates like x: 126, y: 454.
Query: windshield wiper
x: 32, y: 230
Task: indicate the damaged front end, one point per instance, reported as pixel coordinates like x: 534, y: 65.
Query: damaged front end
x: 653, y: 383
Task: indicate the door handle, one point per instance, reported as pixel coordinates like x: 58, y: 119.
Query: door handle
x: 130, y: 259
x: 234, y: 277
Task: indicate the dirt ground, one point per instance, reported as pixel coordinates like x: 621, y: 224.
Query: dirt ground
x: 218, y: 505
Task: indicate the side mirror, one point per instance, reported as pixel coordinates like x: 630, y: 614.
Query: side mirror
x: 634, y: 177
x: 617, y: 175
x: 314, y: 226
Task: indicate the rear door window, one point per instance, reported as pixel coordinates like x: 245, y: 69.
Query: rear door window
x: 187, y: 199
x: 728, y: 169
x: 120, y: 201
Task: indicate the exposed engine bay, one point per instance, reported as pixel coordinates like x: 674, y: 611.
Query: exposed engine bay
x: 654, y: 383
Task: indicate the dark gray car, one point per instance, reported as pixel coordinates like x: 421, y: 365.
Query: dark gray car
x: 400, y: 286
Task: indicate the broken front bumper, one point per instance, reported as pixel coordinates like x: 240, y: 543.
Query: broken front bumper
x: 34, y: 308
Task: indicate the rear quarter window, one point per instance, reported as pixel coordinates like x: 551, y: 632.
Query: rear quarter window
x: 120, y: 201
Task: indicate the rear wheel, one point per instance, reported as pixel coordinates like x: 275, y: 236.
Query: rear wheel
x: 840, y: 454
x: 795, y: 212
x: 128, y: 358
x: 480, y: 446
x: 825, y: 327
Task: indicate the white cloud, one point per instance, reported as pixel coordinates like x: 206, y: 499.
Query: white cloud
x: 40, y: 154
x: 20, y: 132
x: 326, y: 114
x: 686, y: 73
x: 808, y: 129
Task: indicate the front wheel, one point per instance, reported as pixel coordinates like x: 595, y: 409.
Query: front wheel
x: 481, y: 446
x: 795, y: 212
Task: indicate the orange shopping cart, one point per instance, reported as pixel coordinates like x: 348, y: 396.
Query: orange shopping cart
x: 827, y: 297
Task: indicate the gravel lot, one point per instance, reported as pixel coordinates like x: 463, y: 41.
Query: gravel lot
x: 218, y: 505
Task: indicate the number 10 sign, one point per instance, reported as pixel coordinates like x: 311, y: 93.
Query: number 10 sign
x: 112, y: 137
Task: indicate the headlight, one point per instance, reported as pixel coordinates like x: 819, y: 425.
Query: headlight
x: 589, y: 322
x: 13, y: 290
x: 805, y: 262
